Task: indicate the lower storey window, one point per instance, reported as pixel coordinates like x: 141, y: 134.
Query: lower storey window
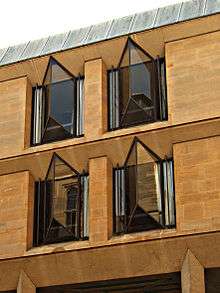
x: 143, y: 192
x: 61, y: 204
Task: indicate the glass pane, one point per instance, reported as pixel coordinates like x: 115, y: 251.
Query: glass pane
x: 130, y: 179
x: 48, y: 74
x: 72, y: 207
x: 124, y: 79
x: 124, y: 89
x: 148, y: 186
x: 119, y: 201
x: 137, y: 55
x: 85, y: 192
x: 131, y: 159
x: 137, y: 86
x: 62, y: 169
x: 65, y: 178
x: 143, y: 155
x: 134, y: 115
x: 60, y: 102
x: 57, y: 233
x: 49, y: 183
x: 65, y: 203
x: 66, y: 191
x: 140, y: 75
x: 142, y: 189
x: 141, y: 72
x: 55, y: 73
x: 79, y: 116
x: 169, y: 193
x: 54, y: 131
x: 148, y: 191
x: 130, y: 189
x: 163, y: 89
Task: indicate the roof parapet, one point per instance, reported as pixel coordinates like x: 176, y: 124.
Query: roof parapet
x: 103, y: 31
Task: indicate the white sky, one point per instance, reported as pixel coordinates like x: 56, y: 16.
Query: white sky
x: 24, y: 20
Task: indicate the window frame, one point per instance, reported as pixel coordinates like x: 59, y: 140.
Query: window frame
x: 43, y: 209
x: 119, y: 194
x: 158, y: 86
x: 44, y: 113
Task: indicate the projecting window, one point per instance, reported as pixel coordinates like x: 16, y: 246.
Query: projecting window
x: 57, y: 105
x: 61, y: 204
x: 143, y: 192
x: 136, y: 89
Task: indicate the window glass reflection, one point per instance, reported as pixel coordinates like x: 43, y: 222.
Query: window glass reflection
x: 60, y: 122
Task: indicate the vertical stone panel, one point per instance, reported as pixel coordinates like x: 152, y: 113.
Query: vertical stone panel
x: 193, y: 79
x: 16, y: 216
x: 197, y: 185
x: 95, y: 98
x: 100, y: 199
x: 192, y: 275
x: 15, y: 115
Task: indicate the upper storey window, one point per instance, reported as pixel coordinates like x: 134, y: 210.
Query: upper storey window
x: 137, y: 91
x: 57, y: 105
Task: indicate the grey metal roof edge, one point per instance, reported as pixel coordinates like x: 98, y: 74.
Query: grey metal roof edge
x: 123, y: 26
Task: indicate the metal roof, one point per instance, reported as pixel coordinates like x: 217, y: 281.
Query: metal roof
x: 118, y: 27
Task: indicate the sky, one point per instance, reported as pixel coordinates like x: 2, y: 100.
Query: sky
x: 25, y: 20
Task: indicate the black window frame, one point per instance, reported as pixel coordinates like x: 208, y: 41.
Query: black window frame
x: 77, y: 110
x: 160, y: 91
x: 167, y: 194
x: 43, y: 206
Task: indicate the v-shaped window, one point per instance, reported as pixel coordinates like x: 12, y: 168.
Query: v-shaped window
x: 59, y: 87
x: 61, y: 201
x: 143, y: 191
x: 142, y: 188
x: 136, y: 83
x: 58, y: 105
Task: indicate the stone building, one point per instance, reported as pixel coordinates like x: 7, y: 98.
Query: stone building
x: 110, y: 156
